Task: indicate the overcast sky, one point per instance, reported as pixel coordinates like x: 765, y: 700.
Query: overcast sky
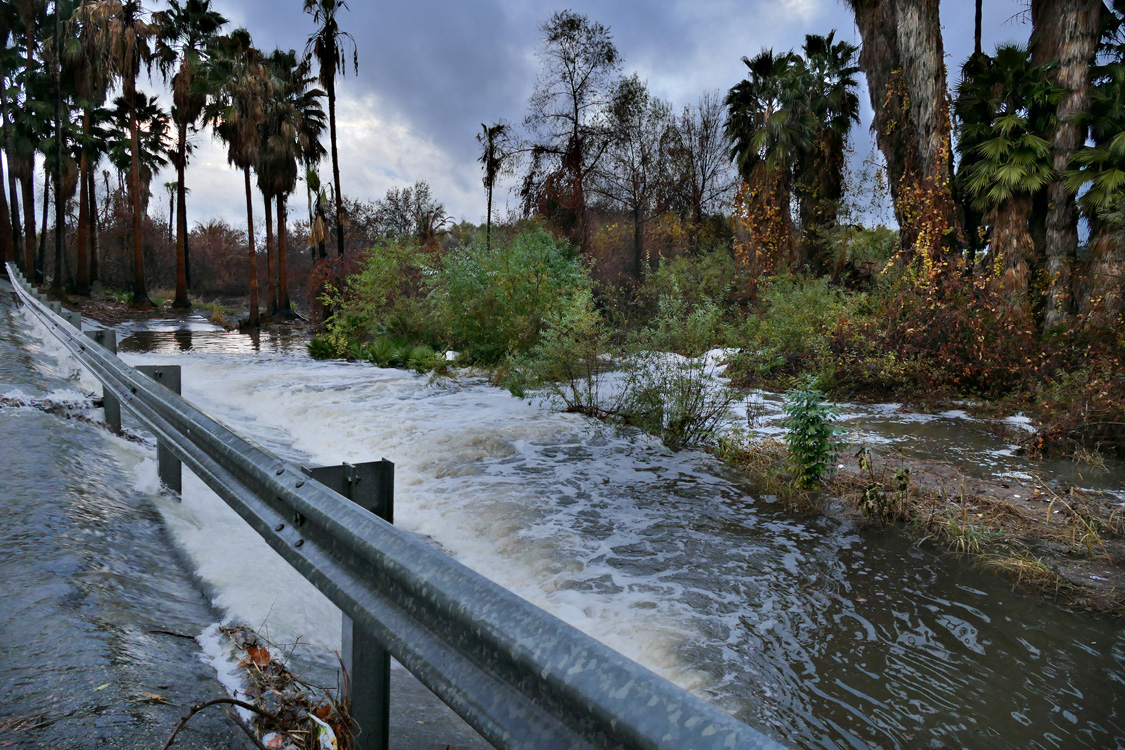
x: 431, y: 71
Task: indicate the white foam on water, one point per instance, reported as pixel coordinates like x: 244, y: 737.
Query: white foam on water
x: 475, y: 471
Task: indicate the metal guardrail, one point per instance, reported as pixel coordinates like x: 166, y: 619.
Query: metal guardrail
x: 518, y: 675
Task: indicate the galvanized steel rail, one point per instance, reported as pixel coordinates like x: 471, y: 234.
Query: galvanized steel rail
x: 518, y: 675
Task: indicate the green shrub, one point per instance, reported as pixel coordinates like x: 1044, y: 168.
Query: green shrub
x: 388, y: 294
x: 494, y: 304
x: 326, y: 346
x: 795, y: 326
x: 810, y: 435
x: 694, y: 279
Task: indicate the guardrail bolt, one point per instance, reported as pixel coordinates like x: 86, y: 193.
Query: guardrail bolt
x: 170, y: 469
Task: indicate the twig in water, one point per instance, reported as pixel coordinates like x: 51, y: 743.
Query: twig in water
x: 217, y: 701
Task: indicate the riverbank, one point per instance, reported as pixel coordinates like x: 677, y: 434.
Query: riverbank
x: 1065, y: 542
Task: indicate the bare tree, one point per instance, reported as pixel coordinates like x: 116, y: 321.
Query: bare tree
x: 704, y: 179
x: 580, y: 62
x: 633, y: 172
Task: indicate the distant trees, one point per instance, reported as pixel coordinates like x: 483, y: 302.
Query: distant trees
x: 567, y: 136
x: 187, y: 32
x: 410, y: 212
x: 788, y: 124
x: 633, y: 172
x: 327, y: 45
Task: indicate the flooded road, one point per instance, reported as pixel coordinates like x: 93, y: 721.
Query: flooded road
x: 824, y: 635
x: 88, y: 575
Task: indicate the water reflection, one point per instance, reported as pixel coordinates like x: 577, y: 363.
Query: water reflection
x: 166, y: 337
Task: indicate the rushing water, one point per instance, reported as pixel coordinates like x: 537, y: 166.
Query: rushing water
x: 822, y: 634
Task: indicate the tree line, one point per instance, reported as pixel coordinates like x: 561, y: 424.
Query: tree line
x: 61, y: 61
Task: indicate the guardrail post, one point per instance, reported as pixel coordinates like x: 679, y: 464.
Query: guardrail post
x: 170, y: 469
x: 56, y: 307
x: 74, y: 318
x: 107, y: 339
x: 371, y: 486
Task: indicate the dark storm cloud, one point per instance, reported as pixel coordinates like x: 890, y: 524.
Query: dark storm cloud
x: 431, y: 72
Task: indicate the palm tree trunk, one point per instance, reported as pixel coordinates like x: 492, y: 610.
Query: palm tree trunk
x: 81, y: 239
x: 7, y: 240
x: 41, y: 261
x: 284, y: 306
x: 28, y: 187
x: 271, y: 278
x: 17, y: 228
x: 902, y: 57
x: 254, y: 320
x: 140, y: 292
x: 1103, y: 293
x: 336, y: 165
x: 976, y: 35
x: 1064, y: 32
x: 181, y: 301
x: 488, y: 223
x: 1015, y: 252
x: 60, y: 204
x: 94, y: 224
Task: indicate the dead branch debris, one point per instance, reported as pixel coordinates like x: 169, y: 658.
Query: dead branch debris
x: 289, y: 713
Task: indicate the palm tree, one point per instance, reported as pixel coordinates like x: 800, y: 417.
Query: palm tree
x: 128, y: 37
x: 290, y: 137
x: 153, y: 141
x: 187, y: 31
x: 1064, y: 32
x: 7, y: 229
x: 242, y: 84
x: 327, y: 45
x: 494, y: 155
x: 835, y: 104
x: 771, y: 125
x: 86, y: 56
x: 1005, y: 105
x: 30, y: 15
x: 1101, y: 167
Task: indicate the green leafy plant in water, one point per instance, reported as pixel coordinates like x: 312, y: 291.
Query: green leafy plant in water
x: 811, y: 437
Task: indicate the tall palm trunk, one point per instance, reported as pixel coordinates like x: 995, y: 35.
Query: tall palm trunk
x: 94, y: 223
x: 140, y: 292
x: 271, y: 277
x: 335, y: 166
x: 60, y: 204
x: 488, y: 222
x: 28, y: 185
x: 1064, y: 32
x: 81, y: 239
x: 903, y: 59
x: 7, y: 241
x: 41, y: 260
x: 284, y: 305
x: 255, y: 320
x: 17, y: 227
x: 181, y: 301
x: 1014, y: 251
x: 1103, y: 291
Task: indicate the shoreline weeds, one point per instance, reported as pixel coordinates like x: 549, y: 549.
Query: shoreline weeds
x: 1068, y: 544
